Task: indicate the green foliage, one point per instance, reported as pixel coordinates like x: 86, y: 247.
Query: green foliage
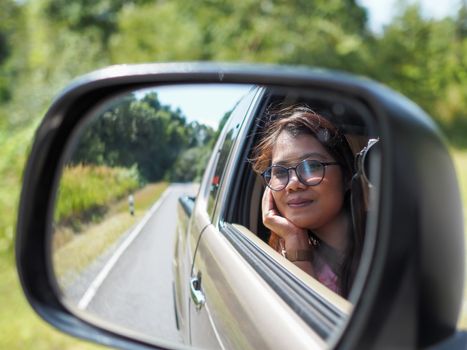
x: 157, y: 31
x: 139, y: 132
x: 15, y: 147
x: 87, y: 190
x: 9, y: 12
x: 10, y: 16
x: 46, y: 57
x: 88, y: 16
x: 72, y: 253
x: 190, y: 165
x: 460, y: 162
x: 21, y: 328
x: 299, y: 32
x: 427, y: 61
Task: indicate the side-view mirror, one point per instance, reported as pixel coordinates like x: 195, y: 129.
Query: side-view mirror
x: 232, y: 206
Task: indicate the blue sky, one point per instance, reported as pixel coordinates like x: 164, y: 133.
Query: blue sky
x: 380, y: 12
x: 204, y: 103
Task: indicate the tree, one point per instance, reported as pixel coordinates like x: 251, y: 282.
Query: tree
x: 92, y: 16
x: 141, y: 132
x: 304, y: 32
x: 190, y: 165
x: 10, y: 15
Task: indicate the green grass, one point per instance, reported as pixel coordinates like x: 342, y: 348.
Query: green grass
x: 14, y: 147
x: 20, y: 327
x: 82, y: 249
x: 460, y: 162
x: 83, y: 189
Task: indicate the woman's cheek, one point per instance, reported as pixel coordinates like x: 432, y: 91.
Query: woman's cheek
x: 278, y: 200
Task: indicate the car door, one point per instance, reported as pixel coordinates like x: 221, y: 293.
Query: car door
x: 243, y: 294
x: 203, y: 332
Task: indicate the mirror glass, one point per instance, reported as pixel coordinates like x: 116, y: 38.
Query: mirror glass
x: 127, y: 166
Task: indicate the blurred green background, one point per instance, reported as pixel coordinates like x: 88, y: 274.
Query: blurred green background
x: 46, y: 43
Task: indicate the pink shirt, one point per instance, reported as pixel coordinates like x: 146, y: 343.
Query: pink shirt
x: 326, y: 275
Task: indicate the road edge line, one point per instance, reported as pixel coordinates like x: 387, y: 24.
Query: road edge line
x: 97, y: 282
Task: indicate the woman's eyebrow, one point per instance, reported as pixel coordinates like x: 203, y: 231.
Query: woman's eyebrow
x: 315, y: 155
x: 312, y: 155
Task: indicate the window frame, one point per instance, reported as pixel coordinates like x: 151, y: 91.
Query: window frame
x: 236, y: 125
x: 325, y: 312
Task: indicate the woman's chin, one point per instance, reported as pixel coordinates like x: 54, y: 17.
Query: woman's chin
x: 301, y: 221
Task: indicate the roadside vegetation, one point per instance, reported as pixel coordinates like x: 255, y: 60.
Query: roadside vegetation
x: 87, y: 190
x: 73, y: 251
x: 21, y: 328
x: 460, y: 161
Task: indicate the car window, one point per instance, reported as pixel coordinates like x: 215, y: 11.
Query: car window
x: 327, y: 295
x: 220, y: 166
x: 232, y: 129
x: 242, y: 203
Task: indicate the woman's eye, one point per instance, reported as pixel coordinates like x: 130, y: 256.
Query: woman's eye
x: 312, y: 165
x: 310, y: 168
x: 280, y: 173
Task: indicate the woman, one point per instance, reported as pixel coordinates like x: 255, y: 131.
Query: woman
x: 308, y: 165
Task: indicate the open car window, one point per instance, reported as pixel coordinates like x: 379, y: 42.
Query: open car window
x: 233, y: 122
x: 240, y: 213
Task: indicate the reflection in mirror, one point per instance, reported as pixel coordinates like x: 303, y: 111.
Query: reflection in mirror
x: 314, y: 205
x: 114, y: 219
x: 117, y: 209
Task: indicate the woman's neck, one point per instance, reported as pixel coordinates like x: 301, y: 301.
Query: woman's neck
x: 334, y: 234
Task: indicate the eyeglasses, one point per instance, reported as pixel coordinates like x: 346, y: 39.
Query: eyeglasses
x: 309, y: 172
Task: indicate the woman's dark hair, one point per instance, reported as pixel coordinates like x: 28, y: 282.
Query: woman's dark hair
x: 301, y: 120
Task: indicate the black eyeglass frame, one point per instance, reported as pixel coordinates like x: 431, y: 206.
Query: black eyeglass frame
x: 324, y: 165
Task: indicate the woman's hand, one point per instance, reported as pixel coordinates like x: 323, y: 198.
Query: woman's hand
x: 295, y: 238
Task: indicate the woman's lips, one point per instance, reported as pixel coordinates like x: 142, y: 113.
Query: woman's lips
x: 299, y: 203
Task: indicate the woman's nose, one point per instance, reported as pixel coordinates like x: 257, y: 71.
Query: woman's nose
x: 294, y: 181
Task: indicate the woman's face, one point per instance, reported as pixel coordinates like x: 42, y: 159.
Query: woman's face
x: 309, y: 207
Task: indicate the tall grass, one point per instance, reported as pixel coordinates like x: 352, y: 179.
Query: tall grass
x: 460, y: 162
x: 20, y: 327
x: 14, y: 146
x: 72, y: 253
x: 87, y: 189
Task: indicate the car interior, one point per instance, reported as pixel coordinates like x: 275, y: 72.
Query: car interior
x: 354, y: 120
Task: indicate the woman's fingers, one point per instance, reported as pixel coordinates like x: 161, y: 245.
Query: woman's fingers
x: 268, y: 204
x: 295, y: 238
x: 272, y: 218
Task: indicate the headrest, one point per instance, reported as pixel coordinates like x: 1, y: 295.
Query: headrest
x: 363, y: 160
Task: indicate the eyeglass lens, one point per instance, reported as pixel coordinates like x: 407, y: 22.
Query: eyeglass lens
x: 309, y: 172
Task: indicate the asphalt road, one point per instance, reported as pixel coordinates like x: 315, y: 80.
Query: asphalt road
x: 131, y: 285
